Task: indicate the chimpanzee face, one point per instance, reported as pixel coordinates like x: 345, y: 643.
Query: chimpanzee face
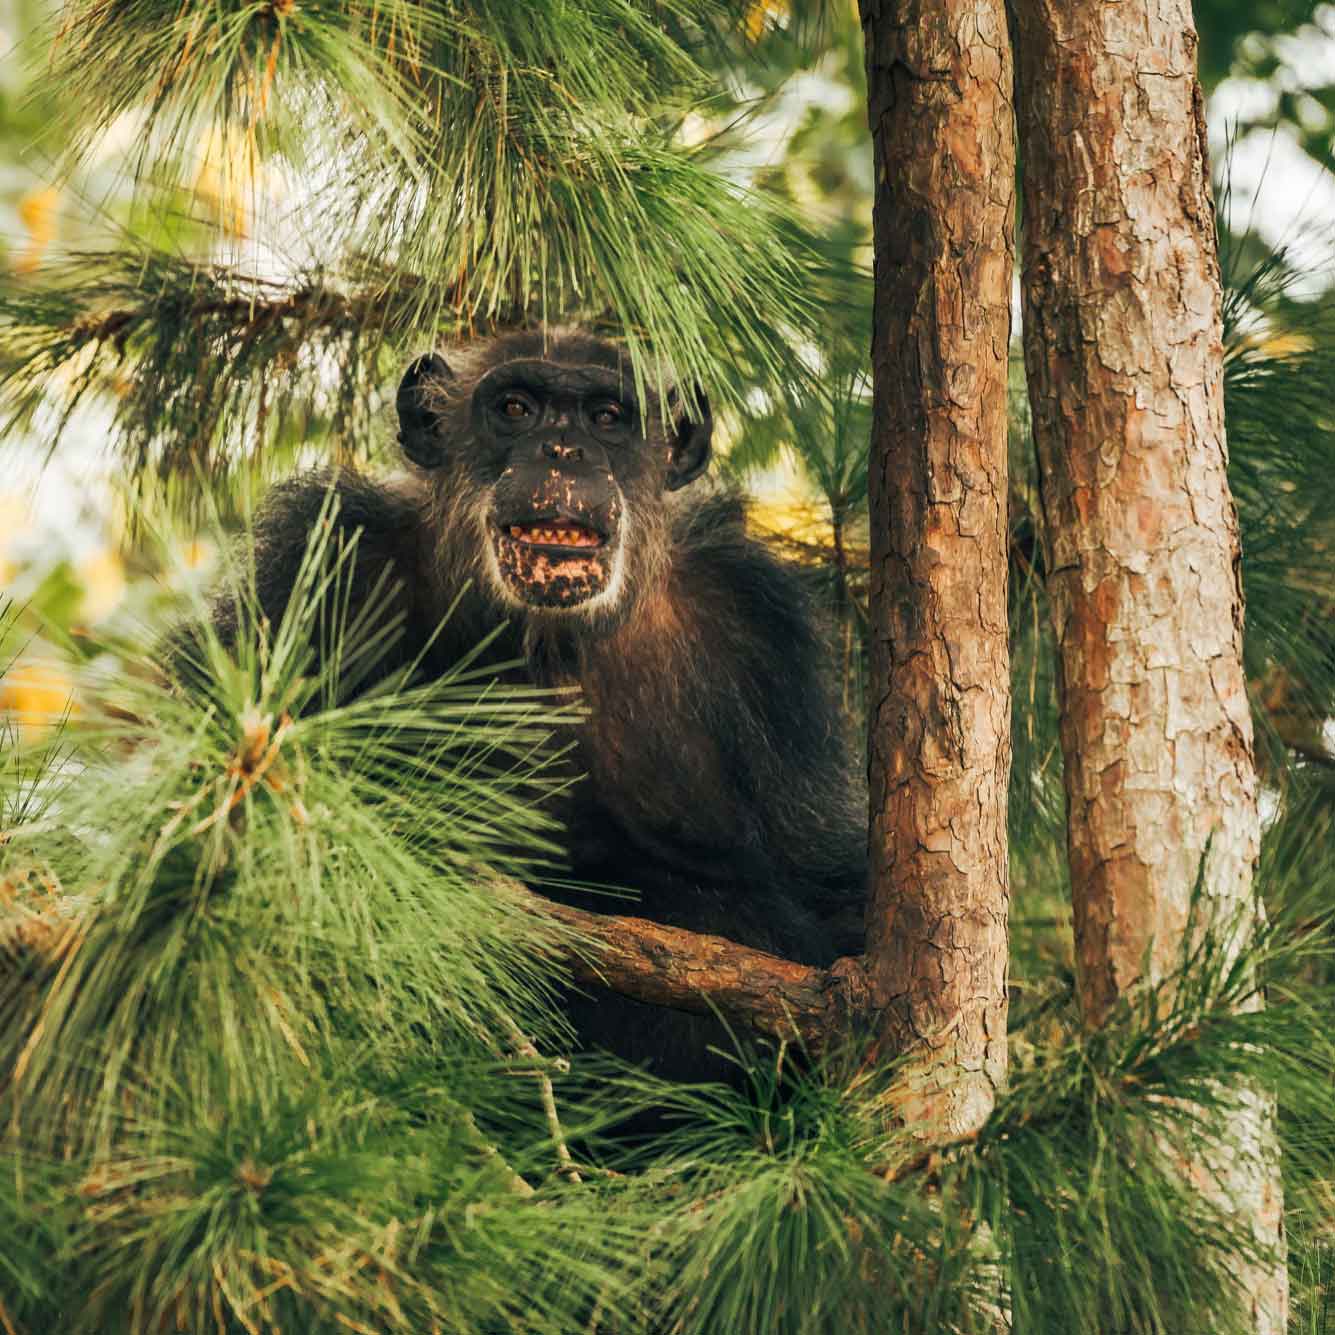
x: 562, y: 434
x: 562, y: 457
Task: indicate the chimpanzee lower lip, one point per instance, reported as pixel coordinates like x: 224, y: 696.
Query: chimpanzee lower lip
x: 551, y: 575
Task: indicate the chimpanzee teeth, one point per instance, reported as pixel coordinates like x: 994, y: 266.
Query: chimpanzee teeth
x: 567, y: 535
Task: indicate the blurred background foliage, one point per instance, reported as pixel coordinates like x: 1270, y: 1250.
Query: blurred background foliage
x: 185, y: 314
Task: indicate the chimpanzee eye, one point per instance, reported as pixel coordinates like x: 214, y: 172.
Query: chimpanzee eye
x: 608, y: 414
x: 514, y: 410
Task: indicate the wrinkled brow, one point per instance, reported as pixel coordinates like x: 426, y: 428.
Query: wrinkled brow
x: 577, y: 380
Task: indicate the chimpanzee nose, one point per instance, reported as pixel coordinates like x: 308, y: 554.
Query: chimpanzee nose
x: 559, y: 450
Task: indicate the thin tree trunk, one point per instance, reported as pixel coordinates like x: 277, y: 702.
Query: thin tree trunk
x: 939, y: 90
x: 1123, y: 349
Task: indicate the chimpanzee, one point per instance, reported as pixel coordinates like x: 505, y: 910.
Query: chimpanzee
x: 546, y: 495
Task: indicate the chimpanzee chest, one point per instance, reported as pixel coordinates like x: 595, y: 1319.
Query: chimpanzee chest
x: 667, y: 762
x: 655, y: 781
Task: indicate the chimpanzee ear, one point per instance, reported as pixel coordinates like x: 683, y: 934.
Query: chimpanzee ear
x: 419, y: 415
x: 690, y: 446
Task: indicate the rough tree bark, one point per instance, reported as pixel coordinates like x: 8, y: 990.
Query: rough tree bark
x: 1123, y: 350
x: 939, y: 91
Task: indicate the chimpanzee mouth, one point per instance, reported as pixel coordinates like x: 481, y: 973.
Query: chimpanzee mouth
x: 555, y: 533
x: 553, y: 563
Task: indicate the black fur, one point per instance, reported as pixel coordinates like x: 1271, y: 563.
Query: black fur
x: 720, y: 784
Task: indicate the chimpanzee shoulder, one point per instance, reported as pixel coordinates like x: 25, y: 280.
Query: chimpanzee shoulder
x: 378, y: 514
x: 776, y: 634
x: 713, y: 544
x: 372, y: 541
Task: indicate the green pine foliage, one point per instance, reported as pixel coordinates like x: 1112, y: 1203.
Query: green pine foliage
x: 265, y: 1001
x: 281, y: 1040
x: 264, y: 962
x: 196, y: 349
x: 223, y: 816
x: 462, y: 166
x: 1279, y: 381
x: 265, y: 988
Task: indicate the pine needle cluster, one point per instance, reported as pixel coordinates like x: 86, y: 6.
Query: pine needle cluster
x: 461, y: 167
x: 281, y: 1048
x: 262, y: 970
x: 282, y: 1052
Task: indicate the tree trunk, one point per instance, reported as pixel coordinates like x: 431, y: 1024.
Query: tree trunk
x: 939, y: 92
x: 1123, y: 349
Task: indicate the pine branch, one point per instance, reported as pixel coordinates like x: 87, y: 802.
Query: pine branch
x: 205, y: 364
x: 204, y: 361
x: 498, y: 165
x: 648, y: 962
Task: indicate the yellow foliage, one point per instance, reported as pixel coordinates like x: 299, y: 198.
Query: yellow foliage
x: 39, y: 212
x: 103, y: 578
x: 197, y: 554
x: 784, y: 505
x: 762, y: 14
x: 1287, y: 345
x: 227, y: 178
x: 37, y: 695
x: 15, y: 517
x: 791, y: 517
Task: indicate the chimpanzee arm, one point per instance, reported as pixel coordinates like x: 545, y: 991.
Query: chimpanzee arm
x: 791, y: 741
x: 723, y: 783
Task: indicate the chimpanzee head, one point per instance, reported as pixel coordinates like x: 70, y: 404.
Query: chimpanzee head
x: 548, y: 458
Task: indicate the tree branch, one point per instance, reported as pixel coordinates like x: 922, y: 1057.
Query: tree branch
x: 689, y: 971
x: 646, y: 961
